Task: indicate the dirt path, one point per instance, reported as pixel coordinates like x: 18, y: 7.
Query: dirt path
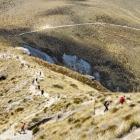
x: 47, y: 27
x: 10, y: 135
x: 36, y: 74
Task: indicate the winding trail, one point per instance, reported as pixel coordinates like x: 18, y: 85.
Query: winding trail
x: 47, y: 27
x: 10, y: 135
x: 36, y: 74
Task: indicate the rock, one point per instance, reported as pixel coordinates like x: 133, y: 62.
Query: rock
x: 3, y: 76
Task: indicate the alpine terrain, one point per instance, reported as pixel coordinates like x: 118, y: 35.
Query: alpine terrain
x: 69, y: 69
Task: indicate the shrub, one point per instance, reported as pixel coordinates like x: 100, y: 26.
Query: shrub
x: 74, y: 85
x: 45, y: 109
x: 70, y: 120
x: 42, y: 137
x: 19, y: 109
x: 114, y: 110
x: 58, y: 86
x: 77, y: 100
x: 78, y: 125
x: 35, y: 120
x: 132, y: 105
x: 112, y: 128
x: 35, y: 130
x: 68, y: 104
x: 138, y: 102
x: 127, y: 117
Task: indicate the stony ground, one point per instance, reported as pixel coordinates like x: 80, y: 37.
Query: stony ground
x: 70, y: 107
x: 112, y: 48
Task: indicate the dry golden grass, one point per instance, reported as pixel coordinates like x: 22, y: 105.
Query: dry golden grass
x: 113, y: 51
x: 81, y: 103
x: 72, y: 74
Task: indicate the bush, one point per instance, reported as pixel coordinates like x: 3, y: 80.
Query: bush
x: 35, y: 120
x: 77, y: 100
x: 132, y: 105
x: 35, y: 130
x: 42, y: 137
x: 58, y: 86
x: 127, y: 117
x: 19, y: 109
x: 71, y: 119
x: 114, y: 110
x: 74, y: 86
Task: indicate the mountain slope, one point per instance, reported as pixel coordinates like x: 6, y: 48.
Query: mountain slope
x: 111, y: 42
x: 53, y: 98
x: 67, y: 108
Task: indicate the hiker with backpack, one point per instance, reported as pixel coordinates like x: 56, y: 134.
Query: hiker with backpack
x: 106, y: 105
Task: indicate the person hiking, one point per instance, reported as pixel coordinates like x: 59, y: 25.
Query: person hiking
x: 122, y: 100
x: 106, y: 104
x: 23, y: 128
x: 39, y: 87
x: 36, y: 80
x: 42, y: 92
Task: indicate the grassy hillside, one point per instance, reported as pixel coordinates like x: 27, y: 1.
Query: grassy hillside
x: 68, y: 109
x: 112, y: 50
x: 71, y: 106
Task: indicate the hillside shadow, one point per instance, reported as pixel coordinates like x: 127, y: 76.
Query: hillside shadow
x: 13, y: 31
x: 123, y: 79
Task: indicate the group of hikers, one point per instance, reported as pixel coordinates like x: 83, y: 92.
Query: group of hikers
x: 35, y: 82
x: 107, y: 103
x: 23, y: 124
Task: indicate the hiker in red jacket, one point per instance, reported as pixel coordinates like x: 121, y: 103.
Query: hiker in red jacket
x: 122, y: 99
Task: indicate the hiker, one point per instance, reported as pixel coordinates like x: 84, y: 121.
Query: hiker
x: 122, y: 100
x: 23, y: 128
x: 36, y: 79
x: 39, y: 87
x: 106, y: 104
x: 42, y: 92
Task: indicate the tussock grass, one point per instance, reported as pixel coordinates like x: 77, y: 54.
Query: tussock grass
x: 132, y: 105
x: 127, y: 125
x: 58, y: 86
x: 74, y: 85
x: 19, y: 109
x: 35, y: 120
x: 35, y: 130
x: 77, y: 100
x: 71, y: 74
x: 114, y: 110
